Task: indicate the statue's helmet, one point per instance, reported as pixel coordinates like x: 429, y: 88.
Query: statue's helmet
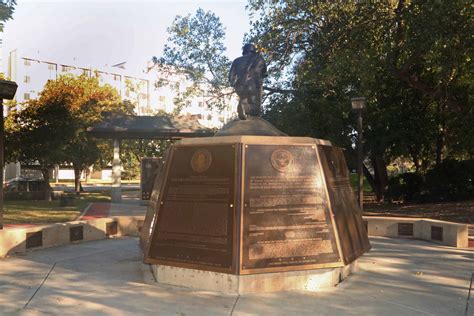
x: 248, y: 48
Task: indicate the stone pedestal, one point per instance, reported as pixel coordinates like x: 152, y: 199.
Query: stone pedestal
x: 308, y: 280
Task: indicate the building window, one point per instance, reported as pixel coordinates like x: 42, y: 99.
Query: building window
x: 209, y: 117
x: 143, y: 96
x: 26, y: 96
x: 27, y: 79
x: 201, y: 104
x: 66, y: 68
x: 51, y: 66
x: 162, y: 98
x: 27, y: 62
x: 85, y: 72
x: 116, y: 77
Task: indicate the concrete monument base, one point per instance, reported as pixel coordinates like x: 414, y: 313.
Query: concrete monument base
x: 308, y: 280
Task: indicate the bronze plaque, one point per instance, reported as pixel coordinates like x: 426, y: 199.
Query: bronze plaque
x: 111, y: 229
x: 34, y: 239
x: 349, y: 224
x: 195, y: 217
x: 286, y: 220
x: 76, y: 233
x: 154, y: 200
x: 437, y: 233
x: 405, y: 229
x: 148, y: 172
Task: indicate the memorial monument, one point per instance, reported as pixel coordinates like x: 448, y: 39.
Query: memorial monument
x: 252, y: 209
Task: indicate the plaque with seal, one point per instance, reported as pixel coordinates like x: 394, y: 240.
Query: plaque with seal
x: 286, y: 219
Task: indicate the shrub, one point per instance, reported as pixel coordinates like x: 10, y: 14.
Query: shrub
x: 451, y: 180
x: 405, y: 187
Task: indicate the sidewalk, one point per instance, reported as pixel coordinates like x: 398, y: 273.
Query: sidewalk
x: 131, y: 205
x: 100, y: 210
x: 398, y: 277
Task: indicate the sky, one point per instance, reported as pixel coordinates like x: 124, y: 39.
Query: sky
x: 97, y: 33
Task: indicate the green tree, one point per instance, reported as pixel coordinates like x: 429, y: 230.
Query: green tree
x: 195, y: 49
x: 411, y: 59
x: 133, y: 150
x: 56, y: 123
x: 86, y: 100
x: 7, y: 7
x: 37, y: 135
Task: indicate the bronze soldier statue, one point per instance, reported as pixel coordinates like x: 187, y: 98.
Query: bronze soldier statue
x: 246, y: 77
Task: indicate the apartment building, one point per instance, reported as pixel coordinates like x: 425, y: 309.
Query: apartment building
x: 31, y: 72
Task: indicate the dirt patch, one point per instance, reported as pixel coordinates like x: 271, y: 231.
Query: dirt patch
x: 460, y: 212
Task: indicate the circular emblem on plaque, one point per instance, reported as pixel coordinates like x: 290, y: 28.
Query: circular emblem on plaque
x: 282, y: 160
x: 201, y: 160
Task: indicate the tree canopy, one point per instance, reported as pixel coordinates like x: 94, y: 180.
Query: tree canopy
x: 195, y: 49
x: 411, y: 59
x: 54, y: 125
x: 7, y: 7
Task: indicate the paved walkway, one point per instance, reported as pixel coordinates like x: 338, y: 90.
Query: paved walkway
x: 398, y: 277
x: 100, y: 210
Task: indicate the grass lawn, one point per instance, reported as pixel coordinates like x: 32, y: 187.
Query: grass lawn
x: 43, y: 212
x: 354, y: 180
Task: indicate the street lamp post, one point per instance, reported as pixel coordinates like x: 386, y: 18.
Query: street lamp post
x: 358, y: 105
x: 7, y: 91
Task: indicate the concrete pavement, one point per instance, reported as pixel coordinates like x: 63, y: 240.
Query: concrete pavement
x: 398, y: 277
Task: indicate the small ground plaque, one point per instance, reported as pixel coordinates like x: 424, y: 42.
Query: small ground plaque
x: 437, y: 233
x: 111, y: 229
x: 76, y: 233
x: 34, y: 240
x: 405, y: 229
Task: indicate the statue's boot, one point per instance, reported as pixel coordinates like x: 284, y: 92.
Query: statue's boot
x: 240, y: 112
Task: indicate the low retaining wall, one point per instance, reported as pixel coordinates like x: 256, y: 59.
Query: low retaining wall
x: 21, y: 239
x: 446, y: 233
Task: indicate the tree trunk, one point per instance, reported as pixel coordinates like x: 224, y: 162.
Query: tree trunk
x: 369, y: 177
x: 380, y: 178
x: 439, y: 147
x: 77, y: 179
x: 47, y: 189
x: 416, y: 162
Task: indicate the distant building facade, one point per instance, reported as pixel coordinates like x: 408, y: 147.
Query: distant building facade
x: 32, y: 73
